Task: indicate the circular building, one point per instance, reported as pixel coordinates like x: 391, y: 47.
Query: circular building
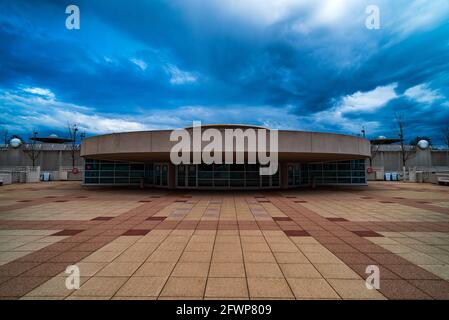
x: 303, y: 159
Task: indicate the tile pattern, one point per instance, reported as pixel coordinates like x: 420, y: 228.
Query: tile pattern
x: 295, y: 244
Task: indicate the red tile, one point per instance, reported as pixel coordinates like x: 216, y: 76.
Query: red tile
x: 67, y: 232
x: 437, y: 289
x: 340, y: 248
x: 385, y: 274
x: 282, y: 219
x: 336, y: 219
x: 354, y: 258
x: 156, y: 218
x: 297, y: 233
x: 401, y: 289
x: 388, y: 258
x: 13, y: 269
x: 367, y: 234
x: 136, y: 232
x: 46, y: 269
x: 102, y: 218
x: 70, y: 257
x: 411, y: 272
x: 19, y: 286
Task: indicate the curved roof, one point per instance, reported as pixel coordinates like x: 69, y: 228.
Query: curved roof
x: 229, y: 126
x: 293, y: 146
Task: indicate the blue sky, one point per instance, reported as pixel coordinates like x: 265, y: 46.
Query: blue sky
x: 285, y: 64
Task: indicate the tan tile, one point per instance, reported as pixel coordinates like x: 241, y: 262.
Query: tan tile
x: 119, y: 269
x: 354, y: 289
x: 266, y: 257
x: 155, y: 269
x: 100, y: 287
x: 322, y: 257
x: 419, y: 258
x: 184, y: 287
x: 133, y: 256
x: 283, y: 247
x: 102, y: 256
x: 164, y: 256
x: 311, y: 248
x: 227, y: 247
x: 256, y: 247
x: 290, y: 257
x: 304, y: 240
x: 194, y: 256
x: 133, y: 298
x: 191, y: 269
x: 222, y: 256
x: 441, y: 271
x: 73, y: 297
x: 227, y: 270
x: 263, y: 270
x: 300, y: 271
x: 199, y: 246
x: 269, y: 288
x: 336, y: 271
x: 40, y: 298
x: 226, y: 287
x: 55, y: 287
x: 312, y: 289
x: 88, y: 269
x: 142, y: 287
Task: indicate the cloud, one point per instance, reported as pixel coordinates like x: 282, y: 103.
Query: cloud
x: 178, y: 76
x: 45, y: 93
x: 423, y: 94
x: 367, y: 101
x: 302, y: 64
x: 140, y: 63
x: 32, y: 111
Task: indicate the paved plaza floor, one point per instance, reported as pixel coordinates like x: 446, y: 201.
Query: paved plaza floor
x: 285, y: 244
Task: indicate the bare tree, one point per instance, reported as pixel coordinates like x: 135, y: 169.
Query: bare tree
x: 406, y: 151
x: 74, y: 146
x: 4, y: 133
x: 33, y: 149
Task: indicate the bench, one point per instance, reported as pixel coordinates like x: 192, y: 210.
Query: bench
x: 443, y: 179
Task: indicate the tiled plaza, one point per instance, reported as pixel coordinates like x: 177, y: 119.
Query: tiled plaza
x: 285, y: 244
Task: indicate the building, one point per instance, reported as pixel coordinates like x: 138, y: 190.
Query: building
x: 305, y: 158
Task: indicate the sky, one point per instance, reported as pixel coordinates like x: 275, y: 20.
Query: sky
x: 285, y: 64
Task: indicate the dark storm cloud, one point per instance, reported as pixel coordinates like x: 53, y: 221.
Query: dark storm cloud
x: 141, y: 59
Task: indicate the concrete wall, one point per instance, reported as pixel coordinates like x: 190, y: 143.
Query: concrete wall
x: 391, y: 160
x: 49, y: 160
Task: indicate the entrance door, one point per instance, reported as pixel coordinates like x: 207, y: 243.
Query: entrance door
x: 186, y: 176
x: 161, y: 174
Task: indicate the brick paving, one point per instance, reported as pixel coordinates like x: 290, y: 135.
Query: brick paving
x: 285, y: 244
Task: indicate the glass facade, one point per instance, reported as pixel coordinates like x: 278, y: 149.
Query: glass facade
x: 223, y: 176
x: 226, y: 176
x: 124, y: 173
x: 327, y: 173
